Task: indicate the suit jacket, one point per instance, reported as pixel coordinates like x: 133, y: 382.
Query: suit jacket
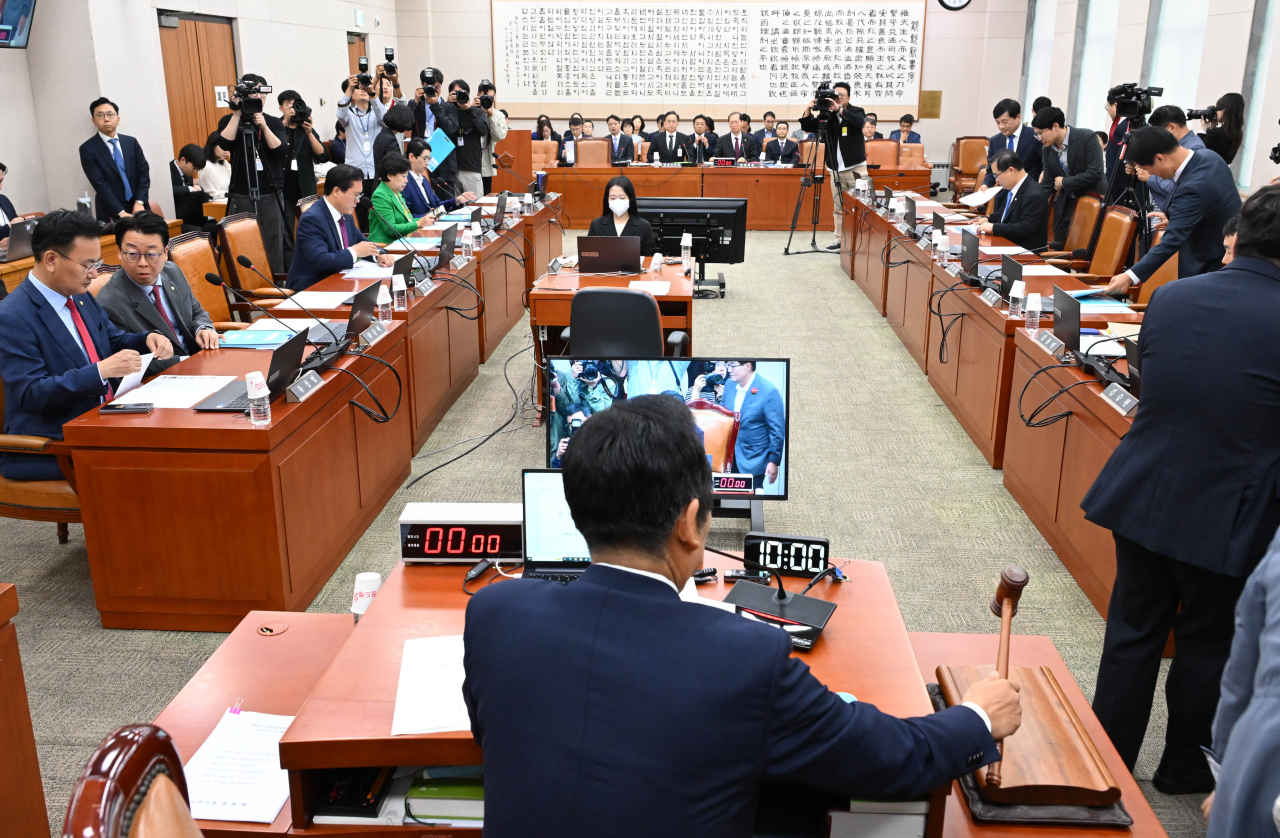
x: 187, y: 205
x: 422, y: 200
x: 1203, y: 201
x: 692, y: 148
x: 762, y: 425
x: 319, y: 252
x: 782, y: 151
x: 9, y: 213
x: 133, y: 310
x: 1161, y: 190
x: 912, y: 136
x: 1197, y: 478
x: 1026, y: 223
x: 100, y: 168
x: 48, y: 380
x: 658, y: 147
x: 1027, y: 147
x: 844, y: 133
x: 383, y: 144
x: 636, y: 226
x: 625, y: 151
x: 1084, y: 171
x: 644, y: 738
x: 750, y: 148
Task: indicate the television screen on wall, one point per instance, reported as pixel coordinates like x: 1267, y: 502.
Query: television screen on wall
x: 15, y: 23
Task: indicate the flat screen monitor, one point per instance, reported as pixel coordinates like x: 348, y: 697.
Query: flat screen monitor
x: 909, y: 204
x: 969, y: 252
x: 741, y: 409
x: 939, y: 223
x: 15, y: 23
x: 1010, y: 272
x: 1066, y: 319
x: 718, y: 226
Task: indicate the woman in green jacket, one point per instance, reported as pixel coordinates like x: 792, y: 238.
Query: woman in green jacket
x: 389, y: 204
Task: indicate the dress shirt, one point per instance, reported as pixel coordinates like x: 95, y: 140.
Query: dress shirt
x: 1011, y: 141
x: 670, y: 141
x: 741, y: 395
x: 1176, y: 175
x: 59, y: 304
x: 4, y: 219
x: 1062, y: 152
x: 190, y: 187
x: 169, y: 313
x: 337, y: 223
x: 361, y: 129
x: 1008, y: 202
x: 737, y: 140
x: 639, y: 572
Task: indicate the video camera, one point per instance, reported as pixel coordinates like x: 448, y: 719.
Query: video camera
x: 390, y: 67
x: 824, y: 96
x: 1208, y: 114
x: 247, y: 91
x: 1133, y: 102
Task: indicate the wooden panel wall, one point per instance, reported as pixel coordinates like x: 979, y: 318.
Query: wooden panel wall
x: 198, y: 55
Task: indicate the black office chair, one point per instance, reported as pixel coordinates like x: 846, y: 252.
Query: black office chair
x: 618, y: 323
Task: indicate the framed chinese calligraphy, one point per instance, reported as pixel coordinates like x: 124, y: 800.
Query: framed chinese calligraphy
x: 601, y: 57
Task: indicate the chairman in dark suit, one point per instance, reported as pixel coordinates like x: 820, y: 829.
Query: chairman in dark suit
x: 60, y: 354
x: 1072, y: 162
x: 780, y: 149
x: 114, y: 165
x: 668, y: 145
x: 762, y: 423
x: 329, y: 240
x: 1204, y: 199
x: 621, y: 147
x: 149, y: 293
x: 1013, y: 135
x: 639, y: 735
x: 1021, y: 211
x: 1191, y: 495
x: 738, y: 144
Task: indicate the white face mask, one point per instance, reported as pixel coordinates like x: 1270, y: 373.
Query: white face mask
x: 619, y: 206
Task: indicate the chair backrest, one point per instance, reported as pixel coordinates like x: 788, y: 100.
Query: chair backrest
x: 594, y: 154
x: 298, y: 210
x: 117, y: 781
x: 1114, y: 240
x: 1086, y: 215
x: 883, y: 153
x: 911, y: 154
x: 644, y: 151
x: 821, y: 160
x: 1166, y: 273
x: 194, y: 256
x: 155, y: 207
x: 719, y: 431
x: 240, y: 235
x: 101, y: 278
x: 544, y: 154
x: 615, y: 322
x: 972, y: 153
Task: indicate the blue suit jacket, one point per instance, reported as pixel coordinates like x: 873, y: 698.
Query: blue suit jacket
x: 1027, y: 147
x: 100, y: 168
x: 596, y: 719
x: 422, y: 200
x: 1162, y: 189
x: 48, y: 381
x: 912, y: 137
x: 1202, y: 202
x: 762, y: 427
x: 319, y: 252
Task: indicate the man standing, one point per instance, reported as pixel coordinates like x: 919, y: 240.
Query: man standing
x: 303, y: 150
x: 114, y: 164
x: 1190, y: 493
x: 257, y: 163
x: 846, y: 152
x: 1072, y: 163
x: 667, y: 145
x: 497, y: 133
x: 762, y: 424
x: 472, y: 136
x: 766, y: 132
x: 621, y: 148
x: 328, y: 239
x: 188, y: 197
x: 737, y: 145
x: 362, y: 114
x: 1012, y: 135
x: 1174, y: 120
x: 1020, y: 213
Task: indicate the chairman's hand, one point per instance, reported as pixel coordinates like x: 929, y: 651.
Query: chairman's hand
x: 386, y: 260
x: 122, y: 363
x: 207, y: 339
x: 1118, y: 284
x: 364, y: 248
x: 160, y: 345
x: 771, y: 476
x: 998, y: 698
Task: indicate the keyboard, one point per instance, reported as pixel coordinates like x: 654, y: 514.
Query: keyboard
x: 320, y: 333
x: 238, y: 403
x: 562, y: 578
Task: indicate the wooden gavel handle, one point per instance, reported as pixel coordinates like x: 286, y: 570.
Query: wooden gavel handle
x: 1002, y: 667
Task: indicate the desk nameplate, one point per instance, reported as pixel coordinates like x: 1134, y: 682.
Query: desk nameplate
x: 1119, y: 398
x: 301, y: 389
x: 1048, y: 342
x: 992, y: 297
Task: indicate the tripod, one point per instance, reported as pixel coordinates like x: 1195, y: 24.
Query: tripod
x: 1133, y: 196
x: 811, y: 178
x: 249, y: 148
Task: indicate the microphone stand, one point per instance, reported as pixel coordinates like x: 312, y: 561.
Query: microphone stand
x: 782, y: 596
x: 214, y: 279
x: 321, y: 359
x: 418, y: 258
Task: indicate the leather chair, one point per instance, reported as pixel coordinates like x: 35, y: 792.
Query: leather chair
x: 969, y: 156
x: 194, y: 255
x: 545, y: 154
x: 911, y: 154
x: 820, y: 162
x: 54, y: 501
x: 101, y: 278
x: 240, y: 235
x: 643, y: 155
x: 1119, y: 226
x: 1166, y: 273
x: 618, y: 323
x: 133, y: 787
x: 298, y: 210
x: 1079, y: 233
x: 719, y: 431
x: 594, y: 154
x: 883, y: 153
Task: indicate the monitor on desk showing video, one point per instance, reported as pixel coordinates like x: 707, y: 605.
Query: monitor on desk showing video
x: 717, y: 226
x: 740, y: 406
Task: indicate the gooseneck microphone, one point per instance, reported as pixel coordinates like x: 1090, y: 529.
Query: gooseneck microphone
x: 418, y: 258
x: 245, y: 262
x: 214, y: 279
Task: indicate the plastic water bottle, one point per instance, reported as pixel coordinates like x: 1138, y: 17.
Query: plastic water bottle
x: 1017, y: 291
x: 259, y: 399
x: 1032, y: 314
x: 941, y: 247
x: 468, y: 243
x: 400, y: 292
x: 655, y: 265
x: 384, y: 304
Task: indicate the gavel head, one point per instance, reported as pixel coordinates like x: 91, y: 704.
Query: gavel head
x: 1012, y: 580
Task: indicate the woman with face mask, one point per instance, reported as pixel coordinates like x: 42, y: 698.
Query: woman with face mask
x: 620, y: 217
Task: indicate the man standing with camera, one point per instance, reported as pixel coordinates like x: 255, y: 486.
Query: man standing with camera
x: 839, y: 125
x: 362, y: 113
x: 257, y: 147
x: 471, y: 135
x: 431, y: 112
x: 303, y: 150
x: 497, y: 132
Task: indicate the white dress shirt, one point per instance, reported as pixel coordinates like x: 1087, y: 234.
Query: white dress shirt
x: 59, y: 304
x: 193, y: 187
x: 4, y: 219
x: 1008, y: 202
x: 741, y: 395
x: 638, y: 572
x: 1176, y: 175
x: 337, y: 225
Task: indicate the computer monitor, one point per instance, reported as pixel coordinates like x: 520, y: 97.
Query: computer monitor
x: 717, y: 226
x: 1066, y: 319
x: 551, y: 540
x: 969, y: 252
x: 742, y: 437
x: 364, y: 310
x: 888, y: 197
x: 609, y: 254
x: 910, y: 212
x: 939, y: 223
x: 1010, y: 272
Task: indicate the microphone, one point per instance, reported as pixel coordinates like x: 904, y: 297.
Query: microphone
x: 214, y: 279
x: 781, y: 596
x: 418, y: 258
x: 321, y: 358
x: 246, y: 263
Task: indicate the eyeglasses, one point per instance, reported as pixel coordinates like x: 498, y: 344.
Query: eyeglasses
x: 91, y: 268
x: 132, y: 256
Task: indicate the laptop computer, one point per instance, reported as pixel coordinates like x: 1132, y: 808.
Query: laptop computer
x: 286, y: 360
x: 499, y: 212
x: 608, y: 254
x: 553, y: 547
x: 364, y: 308
x: 19, y: 240
x: 1066, y: 319
x: 1010, y: 272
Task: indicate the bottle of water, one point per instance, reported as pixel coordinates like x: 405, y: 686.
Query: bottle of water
x: 259, y: 399
x: 400, y: 292
x: 655, y: 265
x: 468, y: 244
x: 686, y: 257
x: 1017, y: 291
x: 513, y: 210
x: 1032, y: 314
x: 941, y: 247
x: 384, y: 304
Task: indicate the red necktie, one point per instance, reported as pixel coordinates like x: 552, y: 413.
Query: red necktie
x: 155, y: 293
x: 89, y: 348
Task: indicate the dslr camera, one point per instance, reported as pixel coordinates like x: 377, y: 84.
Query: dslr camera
x: 461, y: 96
x: 1208, y: 114
x: 1133, y: 102
x: 301, y: 111
x: 363, y: 78
x: 590, y: 369
x: 390, y: 67
x: 428, y: 76
x: 247, y: 92
x: 485, y: 100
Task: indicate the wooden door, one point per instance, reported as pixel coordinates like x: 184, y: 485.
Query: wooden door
x: 199, y: 57
x: 356, y: 47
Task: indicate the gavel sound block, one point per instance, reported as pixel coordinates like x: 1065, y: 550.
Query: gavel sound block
x: 1051, y: 759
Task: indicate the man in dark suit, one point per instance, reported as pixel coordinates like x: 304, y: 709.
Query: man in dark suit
x: 621, y: 148
x: 1190, y: 495
x: 642, y: 737
x: 568, y: 152
x: 1115, y: 141
x: 769, y: 130
x: 762, y: 424
x: 667, y: 145
x: 188, y: 197
x: 701, y: 147
x: 1021, y: 211
x: 780, y: 149
x: 904, y: 134
x: 149, y: 293
x: 60, y: 354
x: 1204, y: 199
x: 1072, y: 163
x: 1011, y: 134
x: 114, y: 165
x: 738, y: 145
x: 329, y: 240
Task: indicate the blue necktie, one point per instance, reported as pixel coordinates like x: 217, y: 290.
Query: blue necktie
x: 1011, y: 148
x: 119, y: 158
x: 1008, y: 202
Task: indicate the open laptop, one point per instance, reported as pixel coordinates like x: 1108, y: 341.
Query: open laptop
x: 364, y: 307
x: 1010, y: 272
x: 969, y: 262
x: 19, y: 240
x: 608, y: 254
x: 499, y: 212
x: 286, y: 360
x: 553, y: 547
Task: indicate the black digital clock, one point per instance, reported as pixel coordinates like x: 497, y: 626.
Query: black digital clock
x: 790, y: 555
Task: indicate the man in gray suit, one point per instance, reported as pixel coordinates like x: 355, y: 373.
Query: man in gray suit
x: 1073, y: 165
x: 148, y: 294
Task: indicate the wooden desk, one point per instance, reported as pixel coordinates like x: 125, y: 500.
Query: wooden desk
x: 872, y: 233
x: 543, y: 230
x: 12, y: 273
x: 264, y: 673
x: 902, y: 178
x: 771, y: 194
x: 22, y: 805
x: 582, y: 189
x: 932, y: 650
x: 500, y: 279
x: 217, y: 210
x: 253, y: 518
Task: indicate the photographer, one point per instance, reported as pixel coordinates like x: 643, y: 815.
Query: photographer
x: 595, y: 383
x: 303, y: 150
x: 1172, y: 119
x: 471, y: 134
x: 709, y: 385
x: 362, y: 114
x: 260, y: 162
x: 432, y: 113
x: 576, y: 415
x: 839, y: 125
x: 1226, y: 127
x: 497, y: 132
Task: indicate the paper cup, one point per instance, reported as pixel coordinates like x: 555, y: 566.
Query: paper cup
x: 367, y: 585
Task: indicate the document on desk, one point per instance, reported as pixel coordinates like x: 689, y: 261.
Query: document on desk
x: 977, y: 199
x: 318, y: 299
x: 236, y: 773
x: 1010, y: 250
x: 429, y: 697
x: 415, y: 243
x: 689, y: 593
x: 131, y: 381
x: 1042, y: 270
x: 362, y: 270
x: 1124, y: 330
x: 177, y: 391
x: 656, y: 288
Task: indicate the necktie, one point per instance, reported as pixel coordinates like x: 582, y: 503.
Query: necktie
x: 119, y: 158
x: 671, y: 143
x: 1007, y: 203
x: 155, y: 295
x: 89, y: 348
x: 1011, y: 143
x: 342, y: 229
x: 737, y: 147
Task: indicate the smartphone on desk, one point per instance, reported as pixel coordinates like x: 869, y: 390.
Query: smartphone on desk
x: 114, y: 409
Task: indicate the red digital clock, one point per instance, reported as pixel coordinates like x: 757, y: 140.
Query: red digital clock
x: 462, y: 533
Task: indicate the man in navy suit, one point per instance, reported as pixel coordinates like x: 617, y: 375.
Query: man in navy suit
x: 418, y: 194
x: 779, y: 149
x: 762, y: 423
x: 1021, y: 211
x: 328, y: 239
x: 1015, y: 137
x: 904, y: 134
x: 114, y: 165
x: 609, y: 706
x: 621, y: 147
x: 1204, y: 199
x: 1190, y: 494
x: 59, y: 352
x: 738, y: 144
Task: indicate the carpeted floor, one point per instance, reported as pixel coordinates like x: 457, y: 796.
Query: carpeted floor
x: 878, y: 465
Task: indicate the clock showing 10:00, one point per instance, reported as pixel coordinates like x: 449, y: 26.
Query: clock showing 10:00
x: 790, y: 555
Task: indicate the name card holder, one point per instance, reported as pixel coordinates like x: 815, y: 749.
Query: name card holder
x: 424, y: 287
x: 491, y: 236
x: 1119, y: 398
x: 458, y: 262
x: 953, y: 269
x: 371, y: 335
x: 301, y: 390
x: 992, y: 298
x: 1048, y: 342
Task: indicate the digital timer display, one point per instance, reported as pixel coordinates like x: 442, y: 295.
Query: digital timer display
x: 453, y: 542
x: 732, y: 484
x: 791, y: 555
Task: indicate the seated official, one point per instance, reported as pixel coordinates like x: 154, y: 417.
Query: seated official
x: 621, y: 147
x: 667, y: 145
x: 390, y: 217
x: 642, y: 736
x: 869, y: 131
x: 328, y: 239
x: 418, y: 194
x: 620, y: 217
x: 7, y: 214
x: 1203, y: 202
x: 60, y: 355
x: 701, y: 145
x: 779, y: 149
x: 1021, y: 211
x: 338, y: 145
x: 1011, y: 134
x: 738, y: 145
x: 150, y: 294
x: 1174, y: 120
x: 568, y: 151
x: 188, y: 196
x: 904, y: 134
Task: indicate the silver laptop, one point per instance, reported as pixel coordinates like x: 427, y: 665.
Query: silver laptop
x: 553, y: 547
x: 19, y: 240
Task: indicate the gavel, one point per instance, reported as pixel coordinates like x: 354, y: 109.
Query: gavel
x: 1004, y: 605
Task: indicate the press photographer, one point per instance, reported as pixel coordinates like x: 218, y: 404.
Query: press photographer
x: 577, y: 414
x: 256, y: 143
x: 595, y: 383
x: 1224, y: 124
x: 472, y: 136
x: 833, y: 120
x: 432, y: 112
x: 497, y: 131
x: 1172, y: 119
x: 303, y: 150
x: 362, y: 114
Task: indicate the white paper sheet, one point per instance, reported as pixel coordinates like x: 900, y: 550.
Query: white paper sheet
x: 429, y: 697
x: 1042, y: 270
x: 131, y: 381
x: 1010, y: 250
x: 415, y: 243
x: 318, y: 299
x: 979, y: 198
x: 236, y: 774
x: 363, y: 270
x: 177, y: 391
x: 690, y: 594
x: 1104, y: 345
x: 655, y: 288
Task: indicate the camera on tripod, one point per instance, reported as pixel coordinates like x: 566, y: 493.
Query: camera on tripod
x: 390, y: 67
x: 1209, y: 114
x: 1133, y: 102
x: 247, y: 91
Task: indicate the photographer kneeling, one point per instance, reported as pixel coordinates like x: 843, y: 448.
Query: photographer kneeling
x: 839, y: 125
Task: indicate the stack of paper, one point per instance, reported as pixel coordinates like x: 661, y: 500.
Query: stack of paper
x: 1124, y: 330
x: 1042, y: 270
x: 429, y: 697
x: 265, y: 338
x: 656, y: 288
x: 177, y: 391
x: 366, y: 270
x: 236, y: 774
x: 690, y: 594
x: 319, y: 299
x: 977, y: 199
x: 1010, y: 250
x: 415, y: 243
